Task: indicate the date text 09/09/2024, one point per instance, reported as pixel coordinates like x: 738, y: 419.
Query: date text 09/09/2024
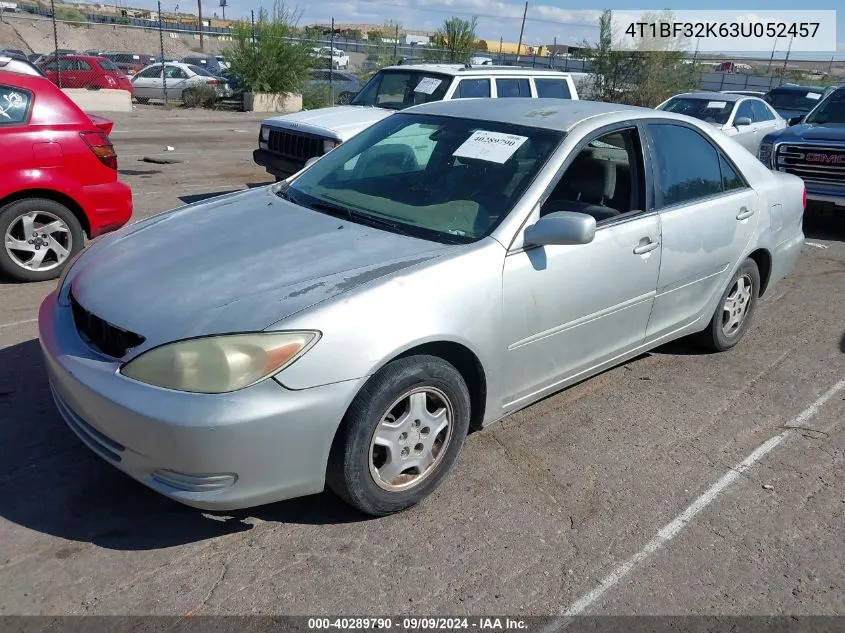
x: 723, y: 29
x: 418, y: 623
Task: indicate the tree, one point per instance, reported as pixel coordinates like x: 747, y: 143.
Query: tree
x: 457, y: 38
x: 481, y: 45
x: 276, y: 61
x: 644, y: 72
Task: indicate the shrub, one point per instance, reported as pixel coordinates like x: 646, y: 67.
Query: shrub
x: 316, y: 97
x: 200, y: 96
x: 69, y: 14
x: 272, y: 60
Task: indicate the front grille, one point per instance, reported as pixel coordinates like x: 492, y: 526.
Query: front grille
x: 294, y: 145
x: 814, y: 163
x: 107, y: 338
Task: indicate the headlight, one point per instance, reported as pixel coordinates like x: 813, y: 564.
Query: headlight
x: 218, y: 364
x: 764, y: 154
x: 329, y: 145
x: 265, y: 133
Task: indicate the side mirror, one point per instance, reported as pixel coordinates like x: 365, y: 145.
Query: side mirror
x: 742, y: 120
x: 796, y: 120
x: 561, y: 228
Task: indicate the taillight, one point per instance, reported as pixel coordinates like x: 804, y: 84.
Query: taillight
x: 111, y: 80
x: 102, y: 147
x: 212, y: 82
x: 804, y: 200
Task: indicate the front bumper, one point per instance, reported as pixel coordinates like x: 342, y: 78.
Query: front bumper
x: 833, y: 194
x: 108, y: 206
x: 217, y: 452
x: 276, y: 165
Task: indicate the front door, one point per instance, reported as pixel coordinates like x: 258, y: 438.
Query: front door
x: 708, y: 215
x: 568, y: 309
x: 147, y: 83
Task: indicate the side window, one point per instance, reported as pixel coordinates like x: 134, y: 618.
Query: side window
x: 552, y: 89
x: 686, y: 163
x: 54, y: 65
x: 744, y: 110
x: 761, y: 112
x: 174, y: 72
x: 82, y: 65
x: 513, y: 88
x: 730, y: 179
x: 151, y: 72
x: 472, y: 88
x: 14, y: 105
x: 603, y: 180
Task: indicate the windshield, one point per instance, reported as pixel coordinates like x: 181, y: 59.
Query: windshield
x: 708, y: 110
x: 400, y: 89
x: 803, y: 101
x: 831, y: 110
x: 438, y: 178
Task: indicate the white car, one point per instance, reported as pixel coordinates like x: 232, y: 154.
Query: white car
x: 339, y: 59
x: 746, y: 119
x: 288, y: 142
x: 180, y: 79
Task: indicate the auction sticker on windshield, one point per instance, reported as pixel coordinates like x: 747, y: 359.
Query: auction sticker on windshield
x: 815, y: 96
x: 428, y: 85
x: 716, y: 105
x: 495, y: 147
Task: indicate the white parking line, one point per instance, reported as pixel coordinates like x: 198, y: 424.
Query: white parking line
x: 14, y: 323
x: 671, y: 529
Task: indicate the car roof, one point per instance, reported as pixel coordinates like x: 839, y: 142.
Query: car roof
x: 798, y: 89
x: 715, y: 96
x: 19, y: 66
x: 483, y: 69
x: 552, y: 114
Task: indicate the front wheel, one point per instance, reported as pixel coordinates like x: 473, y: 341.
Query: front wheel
x: 39, y: 237
x: 401, y: 435
x: 735, y: 310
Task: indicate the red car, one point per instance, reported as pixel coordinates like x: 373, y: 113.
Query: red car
x: 59, y: 179
x: 85, y: 71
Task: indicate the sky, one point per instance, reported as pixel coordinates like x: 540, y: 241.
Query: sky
x: 546, y: 20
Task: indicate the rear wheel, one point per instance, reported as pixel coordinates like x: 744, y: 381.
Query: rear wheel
x: 39, y: 237
x: 401, y: 435
x: 736, y: 308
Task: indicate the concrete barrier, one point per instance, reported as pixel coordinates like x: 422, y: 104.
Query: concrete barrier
x: 100, y: 100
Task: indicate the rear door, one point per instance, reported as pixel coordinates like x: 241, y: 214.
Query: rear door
x: 176, y: 81
x: 708, y: 215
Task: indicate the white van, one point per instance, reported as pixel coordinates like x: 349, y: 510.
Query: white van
x: 287, y: 142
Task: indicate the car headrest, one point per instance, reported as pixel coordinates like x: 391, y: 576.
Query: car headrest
x: 387, y: 159
x: 596, y: 179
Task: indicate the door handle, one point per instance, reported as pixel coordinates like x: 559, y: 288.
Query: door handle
x: 744, y: 213
x: 646, y: 247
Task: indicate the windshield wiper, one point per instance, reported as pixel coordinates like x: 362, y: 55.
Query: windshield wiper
x: 359, y: 218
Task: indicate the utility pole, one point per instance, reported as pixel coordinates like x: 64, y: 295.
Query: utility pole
x: 552, y: 54
x: 786, y: 59
x: 521, y: 31
x: 199, y: 21
x: 396, y: 44
x: 501, y: 43
x: 331, y: 63
x: 56, y: 42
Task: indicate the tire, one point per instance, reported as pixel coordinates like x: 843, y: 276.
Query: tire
x: 358, y: 458
x: 44, y: 213
x: 718, y: 337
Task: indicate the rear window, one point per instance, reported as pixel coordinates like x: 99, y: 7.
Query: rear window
x: 14, y: 105
x: 802, y: 101
x: 106, y: 64
x: 200, y: 71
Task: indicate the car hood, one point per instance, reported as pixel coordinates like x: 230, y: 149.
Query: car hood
x: 339, y: 122
x: 236, y: 263
x: 811, y: 132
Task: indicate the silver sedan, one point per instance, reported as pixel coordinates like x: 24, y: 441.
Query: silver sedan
x: 747, y: 119
x: 444, y: 268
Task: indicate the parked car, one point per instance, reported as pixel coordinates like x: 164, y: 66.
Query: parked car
x: 85, y: 71
x: 287, y: 142
x: 129, y: 63
x: 59, y: 176
x: 747, y: 119
x: 795, y: 101
x: 12, y: 51
x: 345, y: 84
x: 180, y: 79
x: 814, y: 149
x: 332, y: 58
x: 221, y: 61
x: 226, y: 373
x: 209, y: 62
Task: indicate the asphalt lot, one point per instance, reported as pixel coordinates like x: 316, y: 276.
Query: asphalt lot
x: 621, y: 495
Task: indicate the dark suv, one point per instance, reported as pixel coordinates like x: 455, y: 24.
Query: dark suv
x: 813, y: 147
